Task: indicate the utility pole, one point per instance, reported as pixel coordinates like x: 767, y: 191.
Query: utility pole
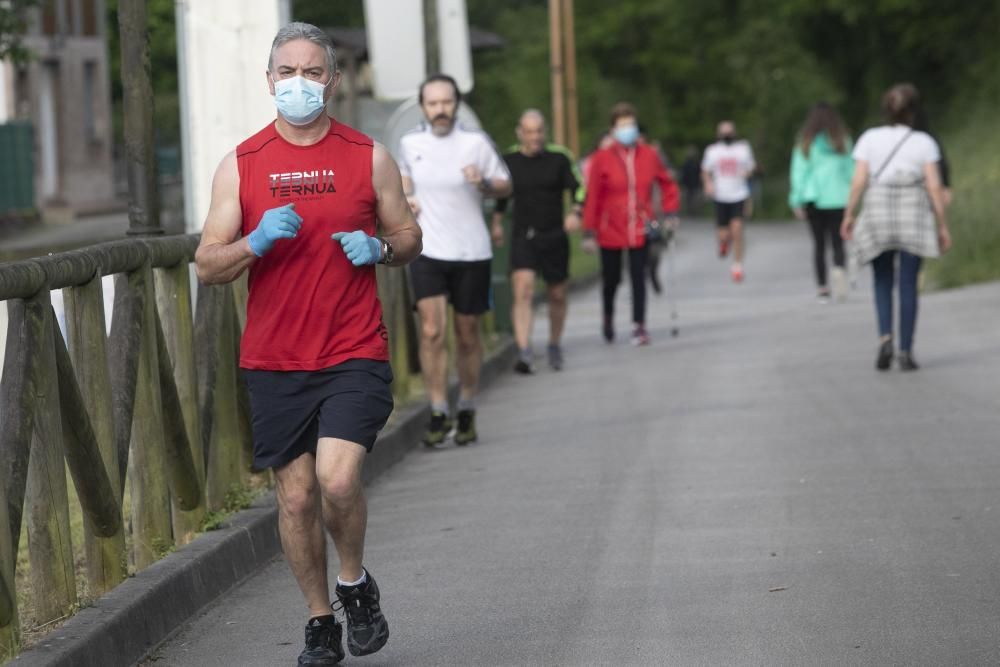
x: 431, y: 37
x: 556, y: 70
x: 572, y: 110
x: 137, y: 91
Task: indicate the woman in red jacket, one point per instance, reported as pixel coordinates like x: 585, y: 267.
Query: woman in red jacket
x: 619, y: 204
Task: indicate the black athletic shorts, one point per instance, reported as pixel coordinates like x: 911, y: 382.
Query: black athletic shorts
x: 546, y: 254
x: 466, y: 284
x: 725, y: 212
x: 292, y: 409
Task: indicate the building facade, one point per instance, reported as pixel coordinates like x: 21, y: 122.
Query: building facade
x: 64, y: 90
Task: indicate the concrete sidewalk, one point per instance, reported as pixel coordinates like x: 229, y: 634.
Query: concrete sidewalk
x: 750, y: 493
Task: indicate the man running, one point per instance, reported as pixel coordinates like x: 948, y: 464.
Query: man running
x: 297, y: 205
x: 725, y: 168
x: 539, y: 243
x: 447, y: 171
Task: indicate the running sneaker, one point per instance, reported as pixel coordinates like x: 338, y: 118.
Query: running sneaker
x: 466, y: 431
x: 640, y: 337
x: 823, y: 295
x: 323, y: 642
x: 367, y: 629
x: 723, y: 249
x: 737, y: 273
x: 523, y: 363
x: 609, y: 330
x: 555, y: 357
x: 438, y: 429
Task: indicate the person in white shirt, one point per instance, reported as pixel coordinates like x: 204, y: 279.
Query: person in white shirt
x: 447, y: 172
x: 902, y: 217
x: 725, y: 169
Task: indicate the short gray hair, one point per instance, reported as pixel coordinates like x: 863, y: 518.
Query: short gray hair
x: 531, y: 113
x: 308, y: 32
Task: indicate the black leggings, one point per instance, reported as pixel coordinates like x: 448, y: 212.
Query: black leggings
x: 611, y: 271
x: 825, y: 222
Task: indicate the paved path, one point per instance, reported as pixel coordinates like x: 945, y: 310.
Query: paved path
x: 750, y: 493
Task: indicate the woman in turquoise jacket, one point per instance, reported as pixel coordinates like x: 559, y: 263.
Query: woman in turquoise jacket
x: 820, y: 183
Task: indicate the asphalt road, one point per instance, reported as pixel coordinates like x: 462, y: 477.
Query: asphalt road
x: 751, y: 492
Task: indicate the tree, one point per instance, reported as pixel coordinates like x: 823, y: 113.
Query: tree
x: 13, y: 24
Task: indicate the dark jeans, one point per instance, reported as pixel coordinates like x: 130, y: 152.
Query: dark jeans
x: 884, y: 270
x: 825, y: 223
x: 611, y: 271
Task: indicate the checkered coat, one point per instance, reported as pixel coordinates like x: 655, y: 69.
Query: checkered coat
x: 895, y: 217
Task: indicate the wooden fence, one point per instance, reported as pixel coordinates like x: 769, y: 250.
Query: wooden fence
x: 157, y: 406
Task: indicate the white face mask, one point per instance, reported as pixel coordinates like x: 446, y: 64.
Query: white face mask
x: 299, y: 101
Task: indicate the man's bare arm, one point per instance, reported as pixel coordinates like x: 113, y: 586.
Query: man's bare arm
x: 399, y: 227
x: 223, y: 254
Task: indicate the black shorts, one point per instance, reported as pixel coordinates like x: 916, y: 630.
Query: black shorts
x: 546, y: 254
x: 725, y: 212
x: 466, y: 284
x: 293, y: 409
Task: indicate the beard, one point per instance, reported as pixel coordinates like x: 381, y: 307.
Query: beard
x: 442, y: 123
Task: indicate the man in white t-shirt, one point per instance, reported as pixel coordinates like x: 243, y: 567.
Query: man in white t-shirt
x: 725, y: 170
x: 447, y: 172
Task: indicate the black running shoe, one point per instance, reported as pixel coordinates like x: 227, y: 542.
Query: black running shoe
x: 323, y: 642
x: 367, y: 629
x: 466, y: 431
x: 608, y: 330
x: 523, y: 367
x: 884, y: 359
x: 438, y: 429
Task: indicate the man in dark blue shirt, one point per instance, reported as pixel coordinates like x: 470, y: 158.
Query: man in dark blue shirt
x: 541, y: 174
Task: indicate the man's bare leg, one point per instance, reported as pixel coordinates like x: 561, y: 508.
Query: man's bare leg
x: 300, y: 526
x: 523, y: 286
x: 345, y: 511
x: 723, y: 234
x: 433, y: 354
x: 558, y: 305
x: 469, y: 355
x: 736, y: 228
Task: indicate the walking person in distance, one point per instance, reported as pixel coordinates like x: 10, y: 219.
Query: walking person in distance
x: 820, y: 181
x: 902, y: 218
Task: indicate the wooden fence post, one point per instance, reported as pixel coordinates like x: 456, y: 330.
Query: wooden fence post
x: 219, y: 405
x: 53, y: 580
x: 123, y: 364
x: 10, y: 631
x: 26, y: 321
x: 107, y: 564
x: 151, y: 524
x: 173, y: 300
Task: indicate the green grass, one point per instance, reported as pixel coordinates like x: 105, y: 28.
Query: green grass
x: 973, y: 151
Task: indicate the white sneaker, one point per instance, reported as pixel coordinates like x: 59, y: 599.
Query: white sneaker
x: 839, y: 279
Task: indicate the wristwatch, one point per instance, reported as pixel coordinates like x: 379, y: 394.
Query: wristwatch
x: 386, y: 252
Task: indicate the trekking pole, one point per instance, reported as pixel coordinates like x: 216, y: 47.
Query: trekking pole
x: 672, y: 281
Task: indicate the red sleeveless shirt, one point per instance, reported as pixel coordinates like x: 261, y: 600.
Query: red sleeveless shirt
x: 309, y: 307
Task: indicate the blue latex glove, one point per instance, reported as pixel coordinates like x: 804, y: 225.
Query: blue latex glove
x: 360, y: 248
x: 276, y: 223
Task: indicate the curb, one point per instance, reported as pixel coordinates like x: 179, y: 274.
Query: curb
x: 129, y: 622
